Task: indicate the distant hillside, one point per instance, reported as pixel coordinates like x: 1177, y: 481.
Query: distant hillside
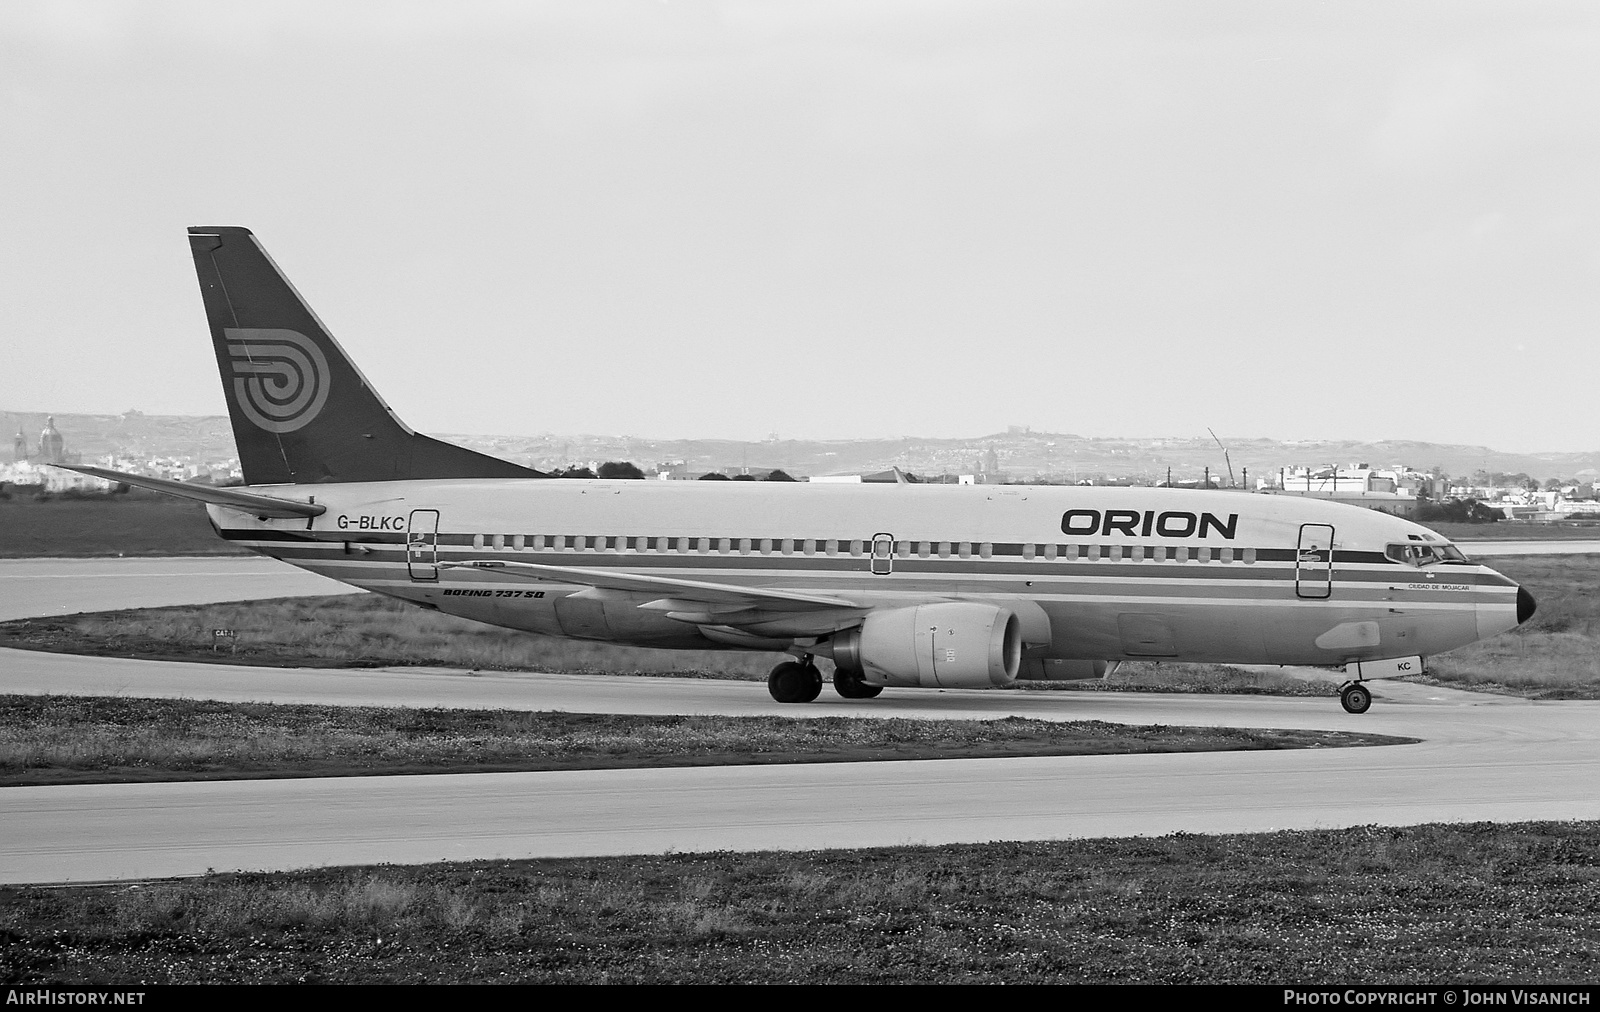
x: 1020, y: 455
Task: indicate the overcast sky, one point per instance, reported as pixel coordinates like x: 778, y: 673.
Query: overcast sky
x: 671, y: 219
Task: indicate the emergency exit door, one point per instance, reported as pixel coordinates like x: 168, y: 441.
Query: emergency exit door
x: 883, y: 554
x: 1313, y: 562
x: 422, y: 545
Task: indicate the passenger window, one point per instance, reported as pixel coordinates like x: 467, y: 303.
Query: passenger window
x: 1028, y: 551
x: 944, y: 549
x: 986, y: 550
x: 477, y: 541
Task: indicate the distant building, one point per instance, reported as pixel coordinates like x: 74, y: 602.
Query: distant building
x: 19, y: 447
x: 52, y: 448
x: 1354, y: 484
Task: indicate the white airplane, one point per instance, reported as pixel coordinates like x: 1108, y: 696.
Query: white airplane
x: 898, y: 585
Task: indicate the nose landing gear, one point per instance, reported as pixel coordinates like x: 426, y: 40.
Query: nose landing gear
x: 1355, y: 697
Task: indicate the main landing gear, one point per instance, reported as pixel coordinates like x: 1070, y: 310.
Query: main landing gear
x: 1355, y: 697
x: 801, y: 682
x: 795, y: 682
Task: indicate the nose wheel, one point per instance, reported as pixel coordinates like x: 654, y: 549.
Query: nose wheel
x: 795, y: 682
x: 1355, y: 697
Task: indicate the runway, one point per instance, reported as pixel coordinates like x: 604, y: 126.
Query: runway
x: 1483, y: 758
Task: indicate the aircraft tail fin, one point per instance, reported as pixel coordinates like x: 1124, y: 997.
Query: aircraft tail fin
x: 301, y: 410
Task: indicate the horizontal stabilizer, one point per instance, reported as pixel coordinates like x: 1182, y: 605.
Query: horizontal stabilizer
x: 697, y: 591
x: 253, y: 503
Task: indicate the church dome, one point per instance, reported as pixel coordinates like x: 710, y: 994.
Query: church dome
x: 52, y: 447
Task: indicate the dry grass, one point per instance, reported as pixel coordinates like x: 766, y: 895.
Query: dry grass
x: 1152, y: 676
x: 1569, y: 530
x: 368, y: 630
x: 358, y: 630
x: 87, y: 739
x: 1462, y: 903
x: 1555, y: 655
x: 134, y: 523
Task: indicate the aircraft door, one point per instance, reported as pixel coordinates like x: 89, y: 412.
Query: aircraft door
x: 1313, y: 562
x: 422, y: 545
x: 883, y: 554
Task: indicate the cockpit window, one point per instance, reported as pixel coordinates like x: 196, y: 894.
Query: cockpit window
x: 1420, y: 555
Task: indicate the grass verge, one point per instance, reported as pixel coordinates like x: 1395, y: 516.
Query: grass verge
x: 1556, y: 655
x: 1477, y: 903
x: 1568, y: 530
x: 369, y: 630
x: 88, y: 739
x: 134, y: 523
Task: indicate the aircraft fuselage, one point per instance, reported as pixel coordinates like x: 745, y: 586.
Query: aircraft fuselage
x: 1093, y: 573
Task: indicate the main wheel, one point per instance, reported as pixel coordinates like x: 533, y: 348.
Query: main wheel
x: 1356, y: 698
x: 852, y: 687
x: 793, y: 682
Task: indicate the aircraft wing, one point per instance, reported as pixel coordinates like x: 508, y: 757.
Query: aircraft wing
x: 717, y: 598
x: 253, y: 503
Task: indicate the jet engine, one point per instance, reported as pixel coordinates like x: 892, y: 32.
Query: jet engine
x: 956, y: 644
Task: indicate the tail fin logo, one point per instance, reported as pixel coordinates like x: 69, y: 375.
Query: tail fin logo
x: 280, y: 377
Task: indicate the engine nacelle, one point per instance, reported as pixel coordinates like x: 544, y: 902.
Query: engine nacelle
x: 951, y: 645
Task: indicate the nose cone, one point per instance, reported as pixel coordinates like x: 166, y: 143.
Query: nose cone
x: 1500, y: 615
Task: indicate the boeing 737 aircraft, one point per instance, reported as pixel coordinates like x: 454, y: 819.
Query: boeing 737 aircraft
x: 898, y: 585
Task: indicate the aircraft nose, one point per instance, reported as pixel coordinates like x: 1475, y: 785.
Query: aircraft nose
x: 1526, y: 605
